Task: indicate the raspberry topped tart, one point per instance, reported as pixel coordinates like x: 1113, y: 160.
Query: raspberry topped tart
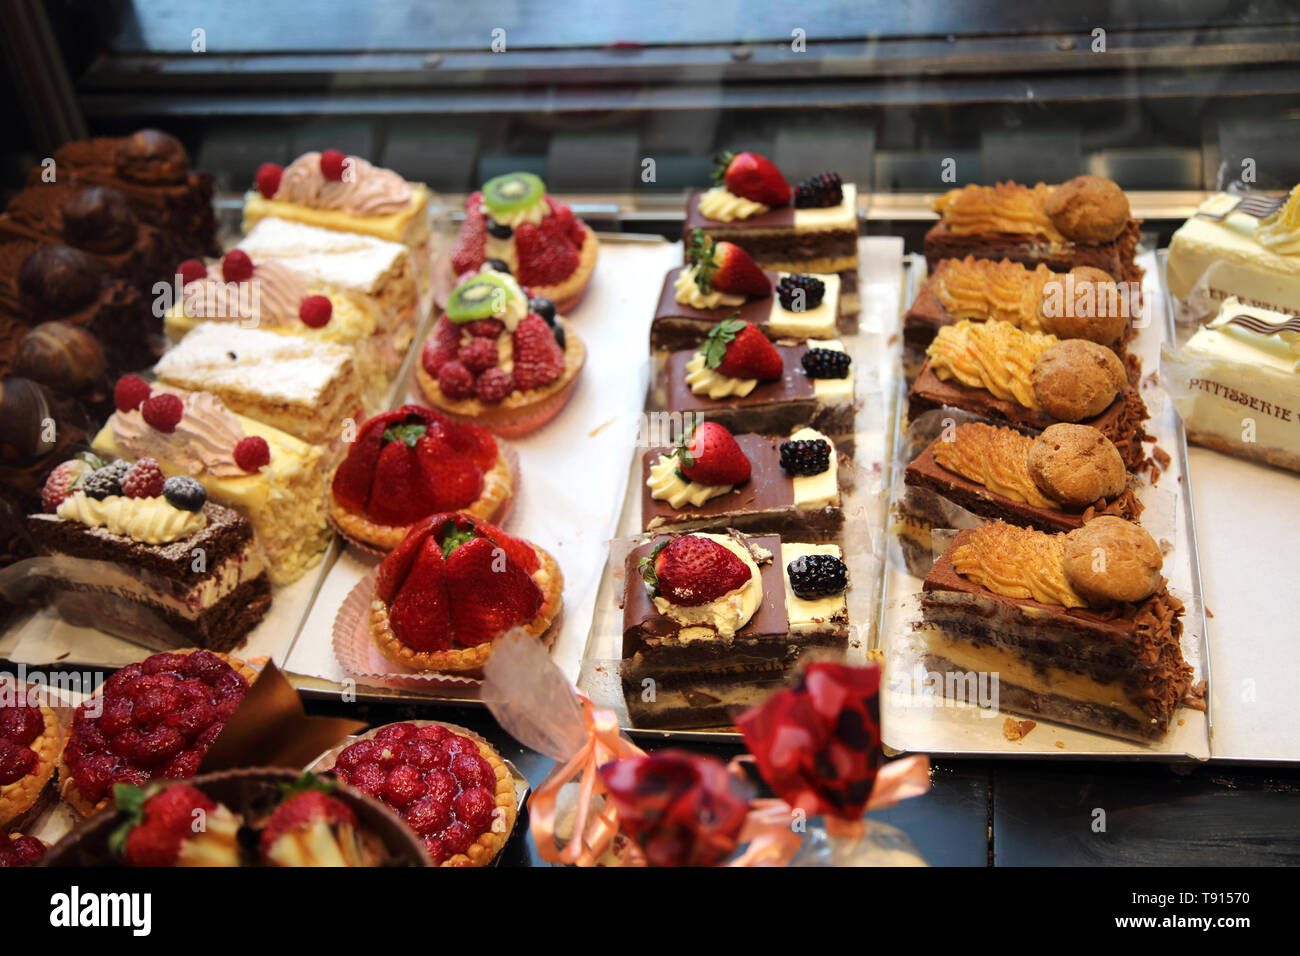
x: 413, y: 462
x: 513, y: 222
x: 454, y: 585
x: 153, y: 719
x: 18, y: 850
x: 452, y: 790
x: 501, y: 356
x: 29, y: 750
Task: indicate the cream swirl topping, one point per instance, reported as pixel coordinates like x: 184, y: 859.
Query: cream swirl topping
x: 707, y: 381
x: 667, y: 485
x: 270, y: 299
x: 724, y: 206
x: 365, y: 190
x: 690, y: 293
x: 1280, y: 232
x: 729, y: 613
x: 203, y: 442
x: 148, y: 520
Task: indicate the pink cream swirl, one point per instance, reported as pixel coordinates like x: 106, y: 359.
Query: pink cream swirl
x: 366, y: 189
x: 203, y: 442
x: 270, y: 299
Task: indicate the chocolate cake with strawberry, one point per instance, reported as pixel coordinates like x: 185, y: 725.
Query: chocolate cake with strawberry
x: 810, y: 228
x: 721, y: 279
x: 413, y: 462
x: 501, y: 356
x: 538, y: 240
x: 452, y: 586
x: 714, y: 480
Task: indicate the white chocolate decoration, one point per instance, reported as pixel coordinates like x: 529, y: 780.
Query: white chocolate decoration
x: 722, y: 206
x: 809, y: 614
x: 667, y: 485
x: 707, y: 381
x: 688, y: 292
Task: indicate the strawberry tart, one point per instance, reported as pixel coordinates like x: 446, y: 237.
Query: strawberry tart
x: 411, y: 463
x: 455, y: 792
x: 153, y: 719
x: 501, y: 357
x: 29, y: 751
x: 511, y: 220
x: 454, y: 585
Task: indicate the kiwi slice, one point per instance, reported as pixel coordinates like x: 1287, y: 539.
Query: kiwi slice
x: 512, y: 192
x: 481, y: 297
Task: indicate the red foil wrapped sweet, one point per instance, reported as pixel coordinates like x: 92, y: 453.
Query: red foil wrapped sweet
x: 679, y: 808
x: 818, y: 744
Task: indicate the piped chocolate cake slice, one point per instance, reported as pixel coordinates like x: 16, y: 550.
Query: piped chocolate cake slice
x: 1079, y: 628
x: 714, y: 622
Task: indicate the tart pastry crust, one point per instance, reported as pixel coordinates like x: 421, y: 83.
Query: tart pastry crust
x: 17, y: 798
x: 483, y: 850
x: 68, y: 787
x: 491, y: 506
x: 469, y: 661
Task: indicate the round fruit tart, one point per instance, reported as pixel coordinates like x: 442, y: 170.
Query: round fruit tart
x: 29, y: 752
x: 19, y: 850
x: 539, y: 240
x: 455, y: 584
x: 153, y: 719
x: 499, y: 356
x: 452, y: 790
x: 411, y: 463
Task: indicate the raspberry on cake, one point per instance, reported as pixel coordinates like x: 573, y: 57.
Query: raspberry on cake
x: 452, y: 586
x: 521, y: 377
x: 511, y: 220
x: 411, y: 463
x: 153, y: 719
x: 29, y: 753
x: 812, y: 228
x: 454, y: 792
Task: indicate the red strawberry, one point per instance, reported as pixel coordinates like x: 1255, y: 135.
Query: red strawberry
x: 737, y: 349
x: 191, y: 270
x: 756, y: 178
x: 453, y: 481
x: 144, y: 479
x: 236, y: 266
x: 129, y: 392
x: 712, y: 457
x: 301, y: 811
x: 539, y: 359
x: 331, y: 165
x: 517, y: 549
x: 268, y: 179
x: 692, y: 570
x: 478, y: 355
x: 163, y: 411
x: 159, y: 824
x: 467, y: 252
x: 316, y: 311
x: 441, y: 346
x: 491, y: 592
x: 494, y: 385
x: 473, y: 441
x: 399, y: 494
x: 62, y: 482
x: 455, y: 381
x: 394, y: 568
x: 737, y: 273
x: 352, y: 480
x: 543, y: 259
x: 420, y: 616
x: 252, y: 453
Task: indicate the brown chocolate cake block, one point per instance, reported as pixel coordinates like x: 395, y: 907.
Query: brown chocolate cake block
x: 799, y: 506
x: 1097, y: 649
x: 1083, y: 222
x: 196, y: 571
x: 689, y: 661
x: 1029, y: 380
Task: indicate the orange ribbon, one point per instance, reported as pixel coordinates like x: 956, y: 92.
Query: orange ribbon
x: 593, y: 829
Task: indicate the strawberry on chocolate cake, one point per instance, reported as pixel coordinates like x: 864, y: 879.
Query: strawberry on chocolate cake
x: 408, y: 464
x: 810, y: 228
x: 452, y: 586
x: 161, y: 827
x: 513, y: 223
x: 501, y: 357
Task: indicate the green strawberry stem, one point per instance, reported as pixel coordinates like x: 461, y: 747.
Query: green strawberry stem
x: 453, y: 538
x: 719, y: 337
x: 700, y: 254
x: 720, y: 164
x: 408, y: 433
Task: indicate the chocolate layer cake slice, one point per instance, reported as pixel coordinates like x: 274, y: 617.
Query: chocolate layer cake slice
x: 715, y: 622
x: 792, y: 489
x: 1030, y: 381
x: 170, y: 568
x: 1078, y: 628
x: 1083, y: 222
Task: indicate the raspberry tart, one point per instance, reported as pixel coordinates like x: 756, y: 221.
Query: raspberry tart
x: 29, y: 751
x: 413, y: 462
x: 453, y: 586
x: 149, y: 720
x: 454, y: 791
x: 501, y: 357
x: 513, y: 221
x: 18, y: 850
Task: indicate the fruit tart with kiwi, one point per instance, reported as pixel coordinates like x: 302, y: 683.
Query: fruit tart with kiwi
x: 153, y: 719
x: 455, y: 792
x: 500, y: 357
x: 454, y: 585
x: 413, y: 462
x: 534, y: 237
x: 29, y: 752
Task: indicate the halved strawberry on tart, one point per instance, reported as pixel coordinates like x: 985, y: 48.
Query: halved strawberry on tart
x: 454, y: 585
x: 500, y: 357
x: 511, y: 220
x: 414, y: 462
